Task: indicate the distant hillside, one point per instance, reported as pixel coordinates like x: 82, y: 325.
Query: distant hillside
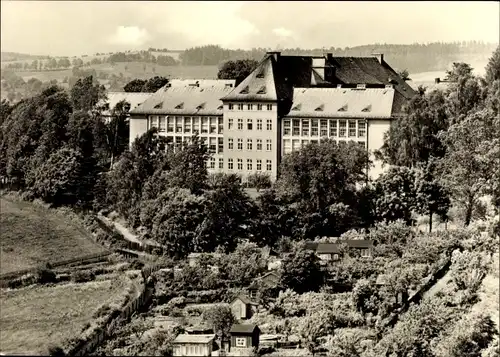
x: 14, y: 56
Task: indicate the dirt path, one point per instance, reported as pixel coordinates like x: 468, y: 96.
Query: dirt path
x: 122, y: 229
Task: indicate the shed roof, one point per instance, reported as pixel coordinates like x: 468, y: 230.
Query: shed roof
x: 243, y: 328
x: 185, y: 338
x: 185, y: 101
x: 245, y: 300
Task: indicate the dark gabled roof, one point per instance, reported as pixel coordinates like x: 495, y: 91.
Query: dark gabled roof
x: 311, y: 245
x: 245, y: 300
x: 358, y: 243
x: 328, y: 248
x: 243, y: 328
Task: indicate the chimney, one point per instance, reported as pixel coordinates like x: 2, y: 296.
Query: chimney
x: 275, y: 54
x: 329, y: 57
x: 437, y: 80
x: 379, y: 57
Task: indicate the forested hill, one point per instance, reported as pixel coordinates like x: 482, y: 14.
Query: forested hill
x: 14, y: 56
x: 414, y: 57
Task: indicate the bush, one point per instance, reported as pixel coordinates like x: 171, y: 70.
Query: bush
x: 82, y: 276
x: 56, y: 351
x: 193, y: 311
x: 176, y: 312
x: 45, y: 276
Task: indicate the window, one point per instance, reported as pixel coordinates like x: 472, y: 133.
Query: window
x: 249, y: 164
x: 240, y: 144
x: 269, y: 124
x: 178, y: 141
x: 230, y: 123
x: 240, y: 106
x: 204, y: 125
x: 323, y: 128
x: 170, y: 124
x: 230, y: 164
x: 213, y: 125
x: 352, y: 128
x: 241, y: 342
x: 269, y: 107
x: 154, y: 121
x: 333, y: 128
x: 196, y: 125
x: 361, y: 144
x: 231, y: 106
x: 365, y: 253
x: 213, y: 145
x: 259, y: 124
x: 259, y: 106
x: 335, y: 257
x: 314, y: 127
x: 249, y: 124
x: 268, y: 145
x: 240, y: 164
x: 221, y: 163
x: 187, y: 124
x: 221, y: 125
x: 249, y: 106
x: 305, y: 127
x: 240, y: 124
x: 230, y: 144
x: 342, y: 128
x: 304, y: 143
x: 361, y: 128
x: 269, y: 165
x: 259, y: 165
x: 178, y: 124
x: 249, y: 144
x: 295, y: 145
x: 220, y: 145
x: 212, y: 163
x: 287, y: 146
x: 296, y: 127
x: 162, y: 124
x: 286, y: 127
x: 259, y: 144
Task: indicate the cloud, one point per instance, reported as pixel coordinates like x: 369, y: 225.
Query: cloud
x: 129, y: 35
x: 281, y: 31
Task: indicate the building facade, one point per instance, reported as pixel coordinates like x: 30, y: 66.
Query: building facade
x: 284, y: 104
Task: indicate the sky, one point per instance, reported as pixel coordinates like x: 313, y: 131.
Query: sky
x: 68, y: 28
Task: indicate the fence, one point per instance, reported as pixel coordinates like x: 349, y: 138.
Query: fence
x: 100, y: 334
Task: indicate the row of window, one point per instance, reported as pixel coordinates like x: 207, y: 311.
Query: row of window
x: 177, y: 124
x: 297, y: 144
x: 269, y: 124
x: 325, y: 127
x: 230, y: 144
x: 241, y: 106
x: 239, y: 164
x: 215, y: 144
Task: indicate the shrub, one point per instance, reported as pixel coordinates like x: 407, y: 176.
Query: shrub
x: 82, y: 276
x: 45, y: 276
x: 176, y: 312
x: 56, y: 351
x: 193, y: 311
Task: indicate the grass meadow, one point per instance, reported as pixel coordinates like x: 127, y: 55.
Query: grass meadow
x: 33, y: 235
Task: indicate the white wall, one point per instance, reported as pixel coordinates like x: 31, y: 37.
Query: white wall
x: 376, y: 131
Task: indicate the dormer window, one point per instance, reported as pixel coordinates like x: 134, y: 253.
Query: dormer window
x: 368, y: 108
x: 179, y: 106
x: 260, y: 73
x: 297, y: 107
x: 343, y: 108
x: 320, y: 108
x: 244, y: 90
x: 262, y: 90
x: 159, y: 105
x: 201, y: 106
x: 220, y: 107
x: 392, y: 80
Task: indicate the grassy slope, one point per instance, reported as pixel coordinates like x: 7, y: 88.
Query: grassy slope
x: 33, y: 235
x: 33, y: 318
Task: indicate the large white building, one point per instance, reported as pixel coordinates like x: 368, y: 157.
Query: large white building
x: 285, y: 103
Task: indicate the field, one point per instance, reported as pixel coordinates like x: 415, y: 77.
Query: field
x: 33, y: 235
x: 33, y: 318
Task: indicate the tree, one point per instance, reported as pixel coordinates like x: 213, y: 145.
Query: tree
x: 493, y: 67
x: 86, y: 94
x: 118, y: 130
x: 221, y: 318
x: 237, y: 70
x: 314, y: 326
x: 258, y: 181
x: 395, y: 194
x: 134, y: 86
x: 405, y: 75
x: 300, y: 271
x: 413, y: 138
x: 465, y: 170
x: 155, y: 83
x: 56, y: 180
